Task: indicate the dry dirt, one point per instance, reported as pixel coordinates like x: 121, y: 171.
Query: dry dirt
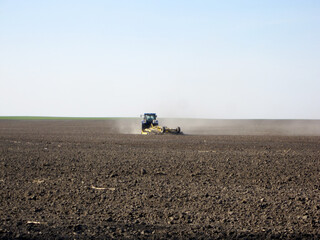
x: 83, y: 180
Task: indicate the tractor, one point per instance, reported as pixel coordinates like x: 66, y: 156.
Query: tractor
x: 150, y: 125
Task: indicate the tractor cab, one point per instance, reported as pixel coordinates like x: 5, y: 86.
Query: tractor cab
x: 149, y: 119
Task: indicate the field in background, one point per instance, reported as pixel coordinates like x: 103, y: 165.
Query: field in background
x: 195, y: 126
x: 54, y: 118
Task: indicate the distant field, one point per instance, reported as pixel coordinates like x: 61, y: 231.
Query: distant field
x: 54, y: 118
x: 284, y: 127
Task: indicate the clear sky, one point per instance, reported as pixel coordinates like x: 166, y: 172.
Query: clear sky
x: 179, y: 58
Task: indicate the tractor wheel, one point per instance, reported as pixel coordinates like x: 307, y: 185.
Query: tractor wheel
x: 178, y: 130
x: 163, y: 129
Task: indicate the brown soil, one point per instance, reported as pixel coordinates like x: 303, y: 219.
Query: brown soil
x: 82, y: 180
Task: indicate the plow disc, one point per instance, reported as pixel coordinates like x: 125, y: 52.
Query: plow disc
x: 161, y: 130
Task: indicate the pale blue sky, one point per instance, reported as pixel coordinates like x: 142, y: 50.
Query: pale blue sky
x: 205, y: 59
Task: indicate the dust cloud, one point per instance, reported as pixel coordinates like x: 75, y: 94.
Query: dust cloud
x: 228, y: 126
x: 128, y: 125
x: 247, y: 127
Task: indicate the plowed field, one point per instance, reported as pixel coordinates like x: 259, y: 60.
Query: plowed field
x: 85, y: 180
